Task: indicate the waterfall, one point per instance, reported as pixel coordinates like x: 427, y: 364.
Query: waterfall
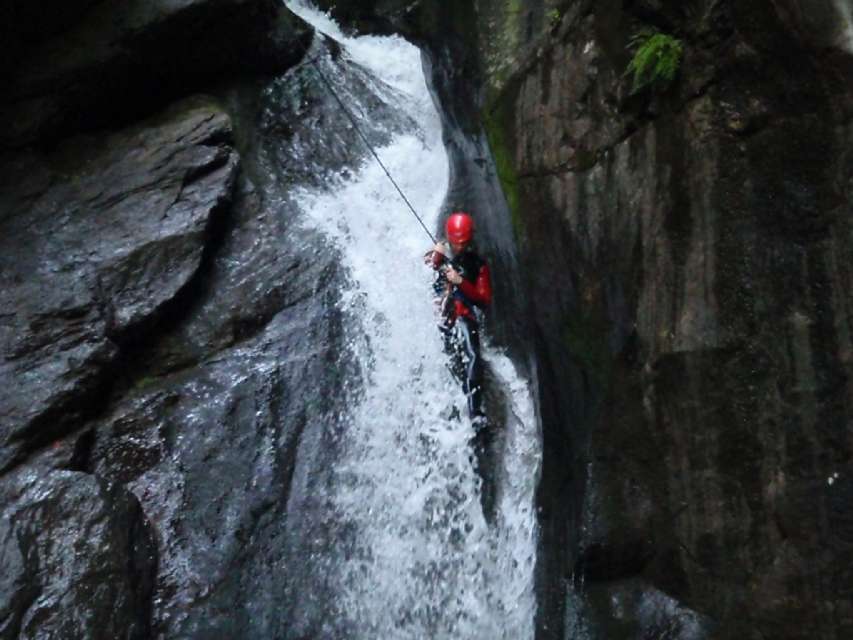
x: 419, y: 560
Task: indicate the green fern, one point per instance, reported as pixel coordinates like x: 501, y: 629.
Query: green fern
x: 554, y: 16
x: 657, y: 57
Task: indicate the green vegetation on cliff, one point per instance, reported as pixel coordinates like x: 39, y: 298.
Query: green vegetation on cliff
x: 657, y: 57
x: 554, y: 16
x: 498, y: 132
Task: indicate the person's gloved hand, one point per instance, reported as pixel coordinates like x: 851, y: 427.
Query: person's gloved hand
x: 436, y: 255
x: 452, y: 275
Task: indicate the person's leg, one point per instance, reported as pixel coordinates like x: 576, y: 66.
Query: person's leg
x: 469, y: 336
x: 455, y: 353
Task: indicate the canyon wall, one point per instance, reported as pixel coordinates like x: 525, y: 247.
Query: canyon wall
x: 673, y: 269
x: 685, y: 253
x: 170, y: 351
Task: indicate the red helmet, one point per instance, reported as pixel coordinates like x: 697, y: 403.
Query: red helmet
x: 460, y: 228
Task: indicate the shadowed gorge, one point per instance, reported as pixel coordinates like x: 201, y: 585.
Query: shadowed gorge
x: 225, y: 411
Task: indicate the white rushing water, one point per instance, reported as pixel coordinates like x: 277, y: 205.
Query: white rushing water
x: 426, y: 563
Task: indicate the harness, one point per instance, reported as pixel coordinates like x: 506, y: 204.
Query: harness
x: 468, y: 265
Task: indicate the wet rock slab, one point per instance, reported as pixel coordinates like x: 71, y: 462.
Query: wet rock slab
x: 683, y: 251
x: 168, y: 337
x: 97, y: 64
x: 176, y: 333
x: 96, y: 239
x: 78, y: 558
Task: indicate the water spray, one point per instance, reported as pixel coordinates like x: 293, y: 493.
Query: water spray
x: 313, y: 61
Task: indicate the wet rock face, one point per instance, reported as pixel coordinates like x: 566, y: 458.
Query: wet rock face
x: 173, y: 335
x: 228, y: 430
x: 166, y: 356
x: 141, y: 54
x: 99, y: 237
x: 78, y: 558
x: 631, y: 609
x: 683, y: 250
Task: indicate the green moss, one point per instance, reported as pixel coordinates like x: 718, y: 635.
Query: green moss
x: 144, y: 382
x: 512, y: 26
x: 554, y: 16
x: 500, y: 42
x: 657, y: 57
x: 497, y: 132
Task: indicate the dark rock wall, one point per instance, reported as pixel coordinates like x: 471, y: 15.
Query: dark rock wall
x: 168, y: 335
x: 687, y: 251
x: 99, y: 586
x: 100, y: 237
x: 678, y: 263
x: 686, y: 256
x: 173, y: 363
x: 144, y: 53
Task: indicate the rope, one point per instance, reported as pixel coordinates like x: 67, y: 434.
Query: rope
x: 313, y: 61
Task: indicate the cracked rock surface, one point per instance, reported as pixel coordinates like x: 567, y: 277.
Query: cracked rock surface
x: 99, y: 236
x: 143, y: 54
x: 78, y: 558
x: 173, y: 340
x: 686, y: 250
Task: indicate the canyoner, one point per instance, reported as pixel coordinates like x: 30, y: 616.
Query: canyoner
x: 463, y: 285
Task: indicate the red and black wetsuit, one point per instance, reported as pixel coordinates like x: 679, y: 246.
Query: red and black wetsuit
x: 461, y: 323
x: 475, y: 290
